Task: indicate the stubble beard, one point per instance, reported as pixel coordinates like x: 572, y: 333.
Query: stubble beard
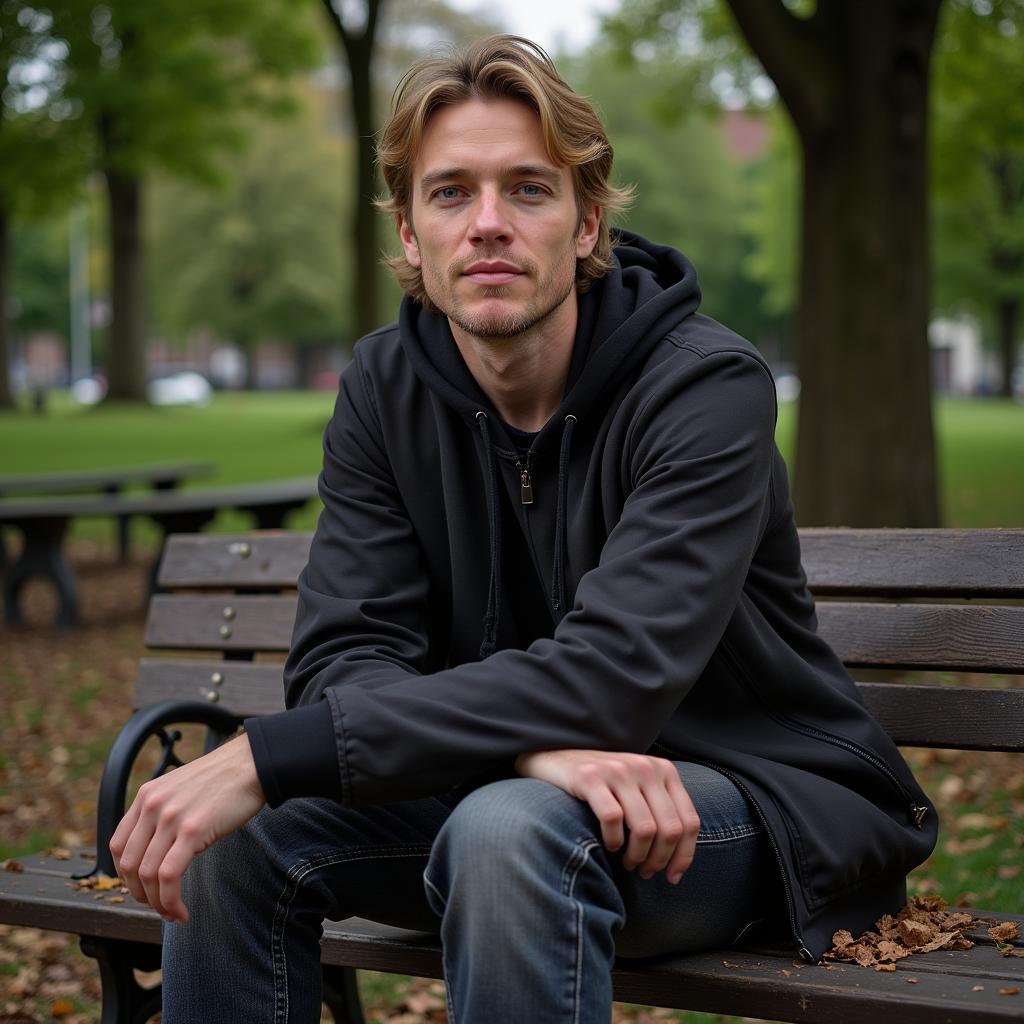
x: 508, y: 325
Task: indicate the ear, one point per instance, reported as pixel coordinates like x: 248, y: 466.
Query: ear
x: 586, y: 236
x: 408, y: 239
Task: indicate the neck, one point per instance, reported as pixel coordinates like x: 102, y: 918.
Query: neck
x: 524, y: 375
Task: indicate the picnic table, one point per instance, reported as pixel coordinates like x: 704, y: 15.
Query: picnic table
x: 44, y: 524
x: 161, y: 476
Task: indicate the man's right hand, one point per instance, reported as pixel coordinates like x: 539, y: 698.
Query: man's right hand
x: 177, y: 816
x: 627, y: 791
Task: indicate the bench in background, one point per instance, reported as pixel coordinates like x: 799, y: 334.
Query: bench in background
x: 44, y: 523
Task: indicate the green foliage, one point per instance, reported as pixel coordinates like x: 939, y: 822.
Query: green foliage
x: 261, y: 257
x: 978, y: 154
x: 690, y: 192
x: 162, y: 82
x: 39, y: 275
x: 773, y: 218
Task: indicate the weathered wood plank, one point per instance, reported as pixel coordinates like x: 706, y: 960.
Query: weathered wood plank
x: 236, y: 622
x: 266, y: 559
x: 971, y: 638
x: 958, y: 717
x: 240, y: 687
x: 975, y: 563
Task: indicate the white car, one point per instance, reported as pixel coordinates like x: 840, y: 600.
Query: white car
x: 184, y: 388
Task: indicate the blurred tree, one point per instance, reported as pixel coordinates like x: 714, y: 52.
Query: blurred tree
x: 979, y: 167
x: 162, y: 84
x: 356, y: 27
x: 40, y: 154
x: 257, y: 259
x: 378, y: 51
x: 854, y: 78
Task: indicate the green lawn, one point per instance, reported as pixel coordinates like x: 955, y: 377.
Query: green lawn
x: 261, y: 436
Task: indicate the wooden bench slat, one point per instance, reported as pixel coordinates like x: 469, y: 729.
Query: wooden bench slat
x: 723, y: 981
x: 975, y: 563
x: 240, y: 687
x: 234, y: 622
x: 971, y: 638
x: 270, y: 560
x: 958, y: 717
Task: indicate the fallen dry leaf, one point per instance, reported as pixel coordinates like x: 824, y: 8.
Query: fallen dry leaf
x: 1004, y: 932
x: 61, y: 1007
x: 1009, y: 991
x: 977, y: 988
x: 729, y: 963
x: 885, y: 967
x: 910, y: 981
x: 57, y: 853
x: 13, y: 865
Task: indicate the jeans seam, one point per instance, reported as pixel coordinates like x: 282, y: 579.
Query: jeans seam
x: 579, y: 857
x: 294, y: 878
x: 727, y: 834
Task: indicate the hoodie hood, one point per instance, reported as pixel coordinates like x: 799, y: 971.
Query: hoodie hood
x: 648, y: 290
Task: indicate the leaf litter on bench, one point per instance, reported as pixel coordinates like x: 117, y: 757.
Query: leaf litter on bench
x: 924, y: 925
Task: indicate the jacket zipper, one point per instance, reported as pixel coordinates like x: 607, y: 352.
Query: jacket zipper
x: 917, y: 811
x: 525, y: 480
x: 804, y: 953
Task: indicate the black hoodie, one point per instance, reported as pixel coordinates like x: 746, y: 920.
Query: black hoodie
x: 650, y: 598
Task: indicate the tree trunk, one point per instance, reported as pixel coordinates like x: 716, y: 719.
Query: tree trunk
x: 6, y: 391
x: 865, y: 440
x: 126, y: 348
x: 359, y: 50
x: 1008, y: 313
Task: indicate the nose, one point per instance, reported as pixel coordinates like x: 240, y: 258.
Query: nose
x: 490, y: 222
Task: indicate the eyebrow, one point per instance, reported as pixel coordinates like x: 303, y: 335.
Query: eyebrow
x: 546, y: 174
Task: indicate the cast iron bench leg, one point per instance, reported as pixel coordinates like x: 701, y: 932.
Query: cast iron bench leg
x: 42, y: 555
x: 341, y: 995
x: 125, y: 1001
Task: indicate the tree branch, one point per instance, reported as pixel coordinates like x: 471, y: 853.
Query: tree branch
x: 794, y: 53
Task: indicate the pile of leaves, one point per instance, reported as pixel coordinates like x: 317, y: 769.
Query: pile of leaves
x: 924, y: 925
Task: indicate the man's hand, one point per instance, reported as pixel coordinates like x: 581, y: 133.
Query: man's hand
x: 642, y: 793
x: 179, y: 815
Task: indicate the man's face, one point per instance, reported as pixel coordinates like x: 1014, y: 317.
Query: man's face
x: 494, y: 229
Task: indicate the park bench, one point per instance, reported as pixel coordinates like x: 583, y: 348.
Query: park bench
x: 924, y: 600
x: 161, y: 476
x: 44, y: 522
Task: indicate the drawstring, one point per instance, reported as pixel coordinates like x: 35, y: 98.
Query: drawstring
x: 489, y: 644
x: 561, y: 548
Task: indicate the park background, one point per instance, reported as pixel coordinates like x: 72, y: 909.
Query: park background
x: 185, y: 190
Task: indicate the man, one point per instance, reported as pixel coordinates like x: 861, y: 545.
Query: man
x: 555, y: 688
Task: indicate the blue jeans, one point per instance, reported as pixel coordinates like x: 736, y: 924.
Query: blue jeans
x: 530, y: 906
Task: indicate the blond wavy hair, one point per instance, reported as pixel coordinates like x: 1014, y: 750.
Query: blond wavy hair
x: 500, y: 67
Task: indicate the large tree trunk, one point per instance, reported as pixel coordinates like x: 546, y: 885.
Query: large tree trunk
x: 1008, y: 314
x: 359, y: 50
x: 855, y: 78
x: 126, y: 349
x: 6, y: 391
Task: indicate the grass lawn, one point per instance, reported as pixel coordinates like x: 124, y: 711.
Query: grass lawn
x: 254, y: 436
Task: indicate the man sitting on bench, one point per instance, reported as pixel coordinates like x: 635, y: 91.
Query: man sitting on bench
x: 555, y: 689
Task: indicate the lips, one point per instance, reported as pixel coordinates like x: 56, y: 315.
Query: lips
x: 492, y: 273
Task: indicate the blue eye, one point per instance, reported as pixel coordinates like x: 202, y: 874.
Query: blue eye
x: 448, y: 192
x: 532, y: 190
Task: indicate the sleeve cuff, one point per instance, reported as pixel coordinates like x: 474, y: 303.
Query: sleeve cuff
x: 295, y: 753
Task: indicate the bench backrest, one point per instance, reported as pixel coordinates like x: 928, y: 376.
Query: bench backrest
x: 890, y: 602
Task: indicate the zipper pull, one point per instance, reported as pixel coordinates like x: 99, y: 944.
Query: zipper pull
x: 918, y: 813
x: 525, y: 486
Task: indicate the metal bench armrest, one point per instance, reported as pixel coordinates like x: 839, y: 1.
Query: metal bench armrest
x: 145, y: 723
